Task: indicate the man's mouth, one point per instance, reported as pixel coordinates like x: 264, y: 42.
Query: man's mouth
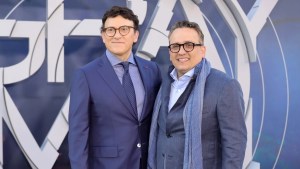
x: 182, y: 60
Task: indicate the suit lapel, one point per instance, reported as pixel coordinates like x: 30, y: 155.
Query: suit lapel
x: 166, y: 88
x: 108, y: 74
x: 144, y: 72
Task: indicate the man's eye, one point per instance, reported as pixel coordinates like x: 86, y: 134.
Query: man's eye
x: 123, y: 28
x: 188, y: 44
x: 110, y: 29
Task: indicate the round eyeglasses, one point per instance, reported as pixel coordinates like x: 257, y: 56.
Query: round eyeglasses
x: 187, y: 46
x: 111, y: 31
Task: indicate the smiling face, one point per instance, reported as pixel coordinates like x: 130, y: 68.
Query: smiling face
x: 184, y: 61
x: 119, y: 45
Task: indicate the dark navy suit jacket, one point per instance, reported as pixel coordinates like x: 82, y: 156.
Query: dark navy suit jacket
x: 104, y: 133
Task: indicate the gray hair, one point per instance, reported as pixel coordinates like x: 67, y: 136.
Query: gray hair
x: 188, y: 24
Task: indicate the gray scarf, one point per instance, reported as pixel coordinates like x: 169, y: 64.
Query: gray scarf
x: 192, y: 117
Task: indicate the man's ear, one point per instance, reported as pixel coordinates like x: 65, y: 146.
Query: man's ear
x: 102, y: 35
x: 136, y: 36
x: 203, y: 50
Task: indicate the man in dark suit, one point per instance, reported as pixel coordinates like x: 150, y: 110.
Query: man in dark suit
x: 198, y: 119
x: 110, y: 110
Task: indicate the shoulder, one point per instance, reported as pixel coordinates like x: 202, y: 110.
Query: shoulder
x: 92, y: 64
x: 218, y: 75
x: 146, y: 64
x: 87, y: 69
x: 219, y: 79
x: 143, y: 61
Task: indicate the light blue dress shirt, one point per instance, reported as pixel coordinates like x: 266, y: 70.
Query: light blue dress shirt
x: 135, y: 77
x: 179, y: 85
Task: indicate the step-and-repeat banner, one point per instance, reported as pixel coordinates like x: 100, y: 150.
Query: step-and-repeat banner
x: 42, y: 42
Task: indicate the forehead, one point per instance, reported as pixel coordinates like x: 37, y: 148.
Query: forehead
x: 117, y: 22
x: 181, y: 35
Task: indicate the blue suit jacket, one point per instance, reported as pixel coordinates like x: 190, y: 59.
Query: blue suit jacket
x: 103, y: 131
x: 224, y: 133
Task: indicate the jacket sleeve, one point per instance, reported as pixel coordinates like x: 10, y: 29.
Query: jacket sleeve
x: 79, y: 122
x: 230, y: 112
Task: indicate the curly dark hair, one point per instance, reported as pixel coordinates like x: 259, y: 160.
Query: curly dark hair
x: 121, y: 11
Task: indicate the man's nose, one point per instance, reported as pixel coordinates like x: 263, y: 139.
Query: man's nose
x: 181, y: 50
x: 117, y: 35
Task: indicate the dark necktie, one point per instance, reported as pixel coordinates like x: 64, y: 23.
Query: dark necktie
x: 128, y: 86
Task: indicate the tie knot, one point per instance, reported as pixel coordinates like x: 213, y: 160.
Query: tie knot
x: 125, y: 66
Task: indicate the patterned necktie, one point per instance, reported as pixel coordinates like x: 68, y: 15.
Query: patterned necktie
x: 128, y: 86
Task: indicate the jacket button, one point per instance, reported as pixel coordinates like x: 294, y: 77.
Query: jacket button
x: 168, y: 135
x: 139, y: 145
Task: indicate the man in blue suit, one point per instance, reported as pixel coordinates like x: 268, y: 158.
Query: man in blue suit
x: 109, y: 128
x: 198, y: 119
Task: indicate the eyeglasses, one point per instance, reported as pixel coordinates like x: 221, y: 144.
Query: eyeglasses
x: 187, y: 46
x: 111, y: 31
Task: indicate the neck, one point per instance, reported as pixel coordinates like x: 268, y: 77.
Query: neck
x: 179, y: 75
x: 122, y: 57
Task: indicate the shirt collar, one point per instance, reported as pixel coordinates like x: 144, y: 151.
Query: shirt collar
x: 115, y: 60
x: 186, y: 76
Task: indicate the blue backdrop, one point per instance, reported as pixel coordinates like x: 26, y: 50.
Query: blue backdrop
x: 274, y: 79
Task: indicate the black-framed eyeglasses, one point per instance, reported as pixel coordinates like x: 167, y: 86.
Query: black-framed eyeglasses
x: 111, y: 31
x: 187, y: 46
